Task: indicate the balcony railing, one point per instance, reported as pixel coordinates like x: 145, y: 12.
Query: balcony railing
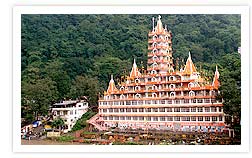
x: 158, y: 61
x: 160, y: 102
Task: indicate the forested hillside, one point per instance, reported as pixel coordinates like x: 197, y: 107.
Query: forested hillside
x: 72, y: 55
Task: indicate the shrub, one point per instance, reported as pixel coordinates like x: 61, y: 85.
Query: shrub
x: 65, y: 138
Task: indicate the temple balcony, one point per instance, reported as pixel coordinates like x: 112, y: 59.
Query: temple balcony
x: 164, y: 89
x: 158, y: 61
x: 163, y: 103
x: 159, y: 40
x: 150, y: 54
x: 151, y: 33
x: 159, y: 47
x: 162, y: 114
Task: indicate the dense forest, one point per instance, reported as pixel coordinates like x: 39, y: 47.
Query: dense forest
x: 66, y: 56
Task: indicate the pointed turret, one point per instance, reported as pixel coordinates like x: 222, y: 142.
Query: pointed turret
x: 189, y: 67
x: 216, y: 82
x: 159, y: 27
x: 111, y: 87
x: 134, y: 71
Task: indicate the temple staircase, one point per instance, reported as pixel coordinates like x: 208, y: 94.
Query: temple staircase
x: 96, y: 123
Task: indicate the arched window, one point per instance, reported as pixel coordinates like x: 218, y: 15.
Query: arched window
x: 153, y: 79
x: 172, y: 78
x: 167, y: 51
x: 172, y: 86
x: 137, y: 88
x: 114, y: 97
x: 138, y: 95
x: 122, y: 89
x: 137, y: 80
x: 154, y: 95
x: 154, y: 44
x: 122, y: 96
x: 154, y: 65
x: 191, y: 93
x: 166, y: 38
x: 171, y: 70
x: 154, y: 58
x: 154, y: 37
x: 172, y: 94
x: 154, y: 87
x: 153, y: 72
x: 154, y: 51
x: 191, y: 84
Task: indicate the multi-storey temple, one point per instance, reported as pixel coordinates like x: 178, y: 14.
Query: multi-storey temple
x: 163, y: 98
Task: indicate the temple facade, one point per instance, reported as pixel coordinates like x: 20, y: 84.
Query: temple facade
x: 162, y: 98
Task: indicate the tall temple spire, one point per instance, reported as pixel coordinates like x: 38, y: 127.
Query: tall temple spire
x: 216, y: 78
x: 189, y: 67
x: 159, y: 27
x: 161, y: 63
x: 134, y: 71
x: 111, y: 87
x: 189, y: 55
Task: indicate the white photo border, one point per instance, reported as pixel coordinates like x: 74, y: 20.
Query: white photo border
x: 157, y: 9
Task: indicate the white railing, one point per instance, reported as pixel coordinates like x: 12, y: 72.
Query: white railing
x: 156, y: 110
x: 162, y: 119
x: 165, y: 102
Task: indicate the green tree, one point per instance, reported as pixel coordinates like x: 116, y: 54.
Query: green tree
x: 62, y: 80
x: 58, y: 123
x: 230, y: 89
x: 85, y: 86
x: 82, y: 122
x: 37, y: 97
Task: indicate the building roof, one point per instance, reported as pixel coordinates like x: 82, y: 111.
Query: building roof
x: 134, y: 71
x: 189, y: 67
x: 111, y: 87
x: 159, y: 27
x: 216, y: 82
x: 67, y: 102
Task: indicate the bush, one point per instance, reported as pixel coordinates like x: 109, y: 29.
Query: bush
x: 65, y: 138
x: 87, y: 132
x: 82, y: 122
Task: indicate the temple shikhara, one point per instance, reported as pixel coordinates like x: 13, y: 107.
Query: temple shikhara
x: 162, y: 98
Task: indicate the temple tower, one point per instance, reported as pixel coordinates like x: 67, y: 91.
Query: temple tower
x: 159, y: 49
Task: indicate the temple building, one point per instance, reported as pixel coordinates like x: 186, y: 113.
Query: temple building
x: 162, y: 98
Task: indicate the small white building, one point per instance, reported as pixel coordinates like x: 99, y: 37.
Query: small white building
x: 70, y: 111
